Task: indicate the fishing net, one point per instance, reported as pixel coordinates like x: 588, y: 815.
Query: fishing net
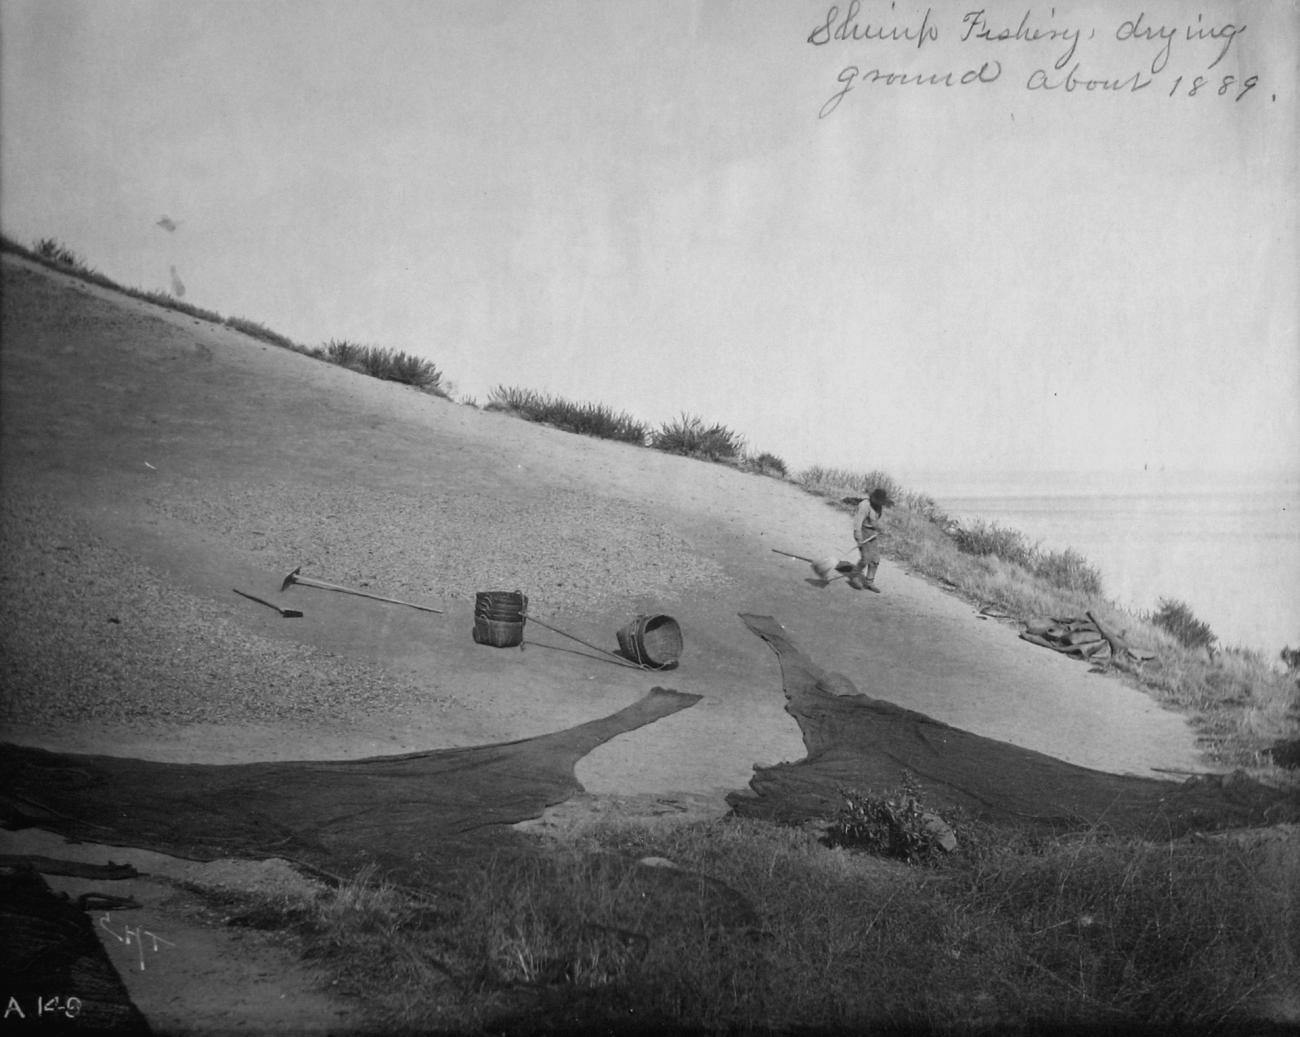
x: 857, y: 742
x: 418, y: 817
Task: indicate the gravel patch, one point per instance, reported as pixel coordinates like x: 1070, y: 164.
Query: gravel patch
x: 573, y: 551
x: 87, y: 633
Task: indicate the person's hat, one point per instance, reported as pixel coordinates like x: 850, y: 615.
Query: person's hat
x: 853, y: 502
x: 880, y: 499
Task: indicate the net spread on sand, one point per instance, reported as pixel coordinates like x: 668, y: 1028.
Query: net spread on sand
x: 857, y: 742
x: 415, y: 816
x: 420, y: 817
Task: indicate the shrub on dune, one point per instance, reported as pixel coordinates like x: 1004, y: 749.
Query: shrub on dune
x: 989, y: 538
x: 767, y: 464
x: 584, y: 419
x: 344, y: 353
x: 388, y: 365
x: 1068, y: 570
x: 55, y: 252
x: 1177, y: 620
x: 690, y: 436
x: 414, y: 370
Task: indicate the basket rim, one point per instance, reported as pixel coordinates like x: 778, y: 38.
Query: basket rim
x: 665, y: 640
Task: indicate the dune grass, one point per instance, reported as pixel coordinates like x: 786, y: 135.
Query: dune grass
x: 53, y: 254
x: 687, y: 435
x: 1176, y: 619
x: 1067, y: 570
x: 584, y: 419
x: 52, y: 251
x: 765, y: 463
x: 691, y: 436
x: 387, y: 364
x: 1239, y: 702
x: 766, y: 928
x: 254, y: 329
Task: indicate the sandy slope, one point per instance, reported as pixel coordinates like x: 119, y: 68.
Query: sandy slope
x: 150, y: 462
x: 204, y: 460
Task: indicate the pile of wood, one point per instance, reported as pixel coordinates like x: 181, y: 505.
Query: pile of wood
x: 1084, y: 638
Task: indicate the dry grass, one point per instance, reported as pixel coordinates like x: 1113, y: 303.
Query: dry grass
x: 584, y: 419
x: 766, y: 928
x: 765, y: 464
x: 386, y: 364
x: 691, y: 436
x: 1240, y: 702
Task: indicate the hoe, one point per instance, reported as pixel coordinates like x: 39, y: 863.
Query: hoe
x: 307, y: 581
x: 286, y: 613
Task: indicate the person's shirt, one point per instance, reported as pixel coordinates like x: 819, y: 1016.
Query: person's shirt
x: 866, y: 521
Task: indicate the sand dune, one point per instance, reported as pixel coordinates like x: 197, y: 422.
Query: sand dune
x: 169, y: 460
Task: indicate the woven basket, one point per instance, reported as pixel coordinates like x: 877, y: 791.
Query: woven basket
x: 501, y: 605
x: 497, y: 634
x: 654, y: 641
x: 500, y: 611
x: 517, y: 598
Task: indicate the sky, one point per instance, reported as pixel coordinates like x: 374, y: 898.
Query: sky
x: 662, y: 206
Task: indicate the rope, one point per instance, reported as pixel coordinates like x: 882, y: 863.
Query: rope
x: 639, y: 665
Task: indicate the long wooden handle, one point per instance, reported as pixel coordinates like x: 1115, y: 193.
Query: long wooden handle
x: 308, y: 581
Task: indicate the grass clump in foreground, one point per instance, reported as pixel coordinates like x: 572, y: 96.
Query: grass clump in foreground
x: 584, y: 419
x: 764, y: 928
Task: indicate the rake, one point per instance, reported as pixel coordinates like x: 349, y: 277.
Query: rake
x: 307, y: 581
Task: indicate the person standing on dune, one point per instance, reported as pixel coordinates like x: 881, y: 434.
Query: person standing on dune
x: 867, y: 529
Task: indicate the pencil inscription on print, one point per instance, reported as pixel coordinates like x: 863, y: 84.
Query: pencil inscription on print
x: 1041, y: 51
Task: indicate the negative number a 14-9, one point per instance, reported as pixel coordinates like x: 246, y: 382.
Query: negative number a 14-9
x: 1228, y: 86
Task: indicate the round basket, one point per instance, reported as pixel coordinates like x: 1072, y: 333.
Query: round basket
x: 497, y: 634
x: 654, y: 641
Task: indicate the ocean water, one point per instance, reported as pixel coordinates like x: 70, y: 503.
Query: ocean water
x: 1229, y: 547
